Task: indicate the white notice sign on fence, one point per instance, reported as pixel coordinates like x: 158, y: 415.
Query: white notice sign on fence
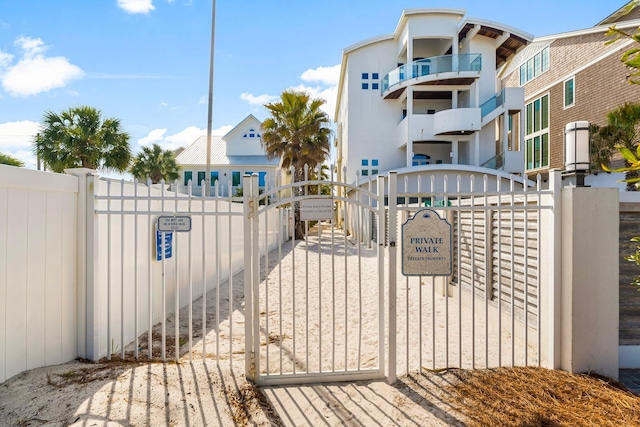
x: 316, y: 209
x: 174, y: 223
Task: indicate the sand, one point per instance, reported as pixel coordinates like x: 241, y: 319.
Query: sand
x: 212, y: 390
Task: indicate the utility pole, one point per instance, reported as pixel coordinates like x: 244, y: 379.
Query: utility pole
x: 207, y: 177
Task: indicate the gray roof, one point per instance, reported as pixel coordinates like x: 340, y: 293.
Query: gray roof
x: 196, y: 154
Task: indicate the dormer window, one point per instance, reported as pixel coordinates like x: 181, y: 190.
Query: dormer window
x: 251, y: 134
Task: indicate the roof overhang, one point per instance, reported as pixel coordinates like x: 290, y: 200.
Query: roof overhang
x: 512, y: 40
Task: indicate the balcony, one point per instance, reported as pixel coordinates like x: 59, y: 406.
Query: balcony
x: 459, y: 121
x: 509, y: 99
x: 459, y: 69
x: 492, y: 103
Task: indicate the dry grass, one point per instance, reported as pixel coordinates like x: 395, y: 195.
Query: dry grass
x: 540, y: 397
x: 246, y: 401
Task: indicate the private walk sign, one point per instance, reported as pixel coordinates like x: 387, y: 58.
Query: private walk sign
x: 426, y: 245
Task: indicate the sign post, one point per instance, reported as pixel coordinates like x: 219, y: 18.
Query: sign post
x: 426, y: 245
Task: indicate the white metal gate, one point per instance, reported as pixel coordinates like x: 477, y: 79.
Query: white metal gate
x: 334, y: 305
x: 313, y: 317
x: 490, y: 312
x: 495, y: 308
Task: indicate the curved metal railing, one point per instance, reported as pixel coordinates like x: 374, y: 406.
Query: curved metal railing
x: 433, y: 65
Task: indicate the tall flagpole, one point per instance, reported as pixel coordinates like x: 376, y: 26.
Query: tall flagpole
x: 207, y: 177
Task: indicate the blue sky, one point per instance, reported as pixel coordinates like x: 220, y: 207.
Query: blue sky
x: 146, y: 62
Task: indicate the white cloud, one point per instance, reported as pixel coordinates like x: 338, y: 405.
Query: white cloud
x: 222, y: 130
x: 136, y: 6
x: 327, y: 88
x: 329, y: 94
x: 5, y: 59
x: 31, y: 47
x: 183, y: 138
x: 16, y: 139
x: 26, y: 156
x: 257, y: 100
x: 154, y: 136
x: 16, y: 135
x: 324, y: 75
x: 34, y: 73
x: 31, y: 76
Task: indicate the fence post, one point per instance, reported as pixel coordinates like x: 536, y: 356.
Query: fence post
x: 248, y: 264
x: 551, y: 262
x: 255, y: 271
x: 86, y: 269
x: 393, y: 237
x: 590, y: 292
x: 380, y: 239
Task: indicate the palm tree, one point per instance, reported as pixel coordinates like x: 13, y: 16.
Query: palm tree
x: 155, y: 164
x: 6, y: 159
x: 79, y: 137
x: 323, y: 176
x: 298, y: 134
x: 623, y: 131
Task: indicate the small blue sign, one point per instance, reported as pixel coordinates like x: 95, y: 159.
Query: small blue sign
x: 168, y: 245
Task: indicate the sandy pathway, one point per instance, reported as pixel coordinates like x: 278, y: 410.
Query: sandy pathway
x: 213, y: 390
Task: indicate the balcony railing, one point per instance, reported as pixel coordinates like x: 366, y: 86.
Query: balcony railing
x: 492, y: 103
x: 496, y: 162
x: 430, y: 66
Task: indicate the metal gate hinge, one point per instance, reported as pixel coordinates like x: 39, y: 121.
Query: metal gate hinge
x: 252, y: 365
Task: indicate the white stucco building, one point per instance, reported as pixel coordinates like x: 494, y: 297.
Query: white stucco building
x: 232, y: 155
x: 428, y: 94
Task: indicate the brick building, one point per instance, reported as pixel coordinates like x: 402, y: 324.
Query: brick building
x: 569, y: 77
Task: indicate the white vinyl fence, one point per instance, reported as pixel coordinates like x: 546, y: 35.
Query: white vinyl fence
x: 531, y: 284
x: 79, y: 273
x: 138, y: 289
x: 37, y: 269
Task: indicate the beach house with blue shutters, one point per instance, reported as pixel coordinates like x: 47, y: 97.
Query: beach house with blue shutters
x: 232, y: 155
